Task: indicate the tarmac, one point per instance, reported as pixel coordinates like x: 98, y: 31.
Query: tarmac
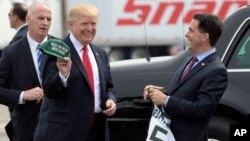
x: 4, y: 119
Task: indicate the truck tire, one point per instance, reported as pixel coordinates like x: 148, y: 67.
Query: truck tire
x: 218, y: 128
x: 138, y: 53
x: 116, y: 55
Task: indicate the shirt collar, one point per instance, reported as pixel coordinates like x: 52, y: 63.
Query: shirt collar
x: 33, y: 43
x: 203, y: 55
x: 78, y: 46
x: 20, y: 27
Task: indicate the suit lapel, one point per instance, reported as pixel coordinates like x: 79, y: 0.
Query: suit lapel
x: 45, y: 57
x: 78, y: 62
x: 26, y: 53
x: 99, y: 65
x: 175, y: 82
x: 201, y: 65
x: 181, y: 69
x: 76, y: 59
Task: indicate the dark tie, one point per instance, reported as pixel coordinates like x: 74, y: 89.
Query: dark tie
x: 188, y: 68
x: 88, y: 67
x: 39, y: 62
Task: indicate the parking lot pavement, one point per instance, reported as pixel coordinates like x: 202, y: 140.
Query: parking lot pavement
x: 4, y: 119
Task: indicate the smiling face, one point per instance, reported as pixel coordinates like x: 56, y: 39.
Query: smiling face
x: 82, y: 22
x: 195, y: 37
x: 84, y: 28
x: 39, y: 21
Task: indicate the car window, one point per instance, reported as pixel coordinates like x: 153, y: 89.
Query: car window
x: 241, y: 56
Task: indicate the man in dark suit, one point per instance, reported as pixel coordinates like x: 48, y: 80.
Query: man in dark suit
x: 20, y: 84
x: 193, y: 95
x: 78, y: 90
x: 17, y: 17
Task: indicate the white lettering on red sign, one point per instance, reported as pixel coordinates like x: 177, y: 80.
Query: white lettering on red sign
x: 145, y: 9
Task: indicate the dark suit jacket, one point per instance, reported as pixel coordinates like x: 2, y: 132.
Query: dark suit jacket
x: 20, y: 34
x: 66, y: 112
x: 18, y: 73
x: 194, y: 99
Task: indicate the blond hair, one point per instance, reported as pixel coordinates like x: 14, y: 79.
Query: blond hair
x: 84, y: 9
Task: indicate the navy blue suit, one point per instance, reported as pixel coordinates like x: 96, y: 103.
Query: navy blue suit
x: 193, y: 100
x: 67, y: 112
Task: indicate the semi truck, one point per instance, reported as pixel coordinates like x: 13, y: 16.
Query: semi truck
x: 127, y: 27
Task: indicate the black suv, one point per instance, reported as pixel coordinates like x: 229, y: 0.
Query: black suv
x: 131, y: 120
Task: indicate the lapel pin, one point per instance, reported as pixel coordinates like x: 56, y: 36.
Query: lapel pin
x: 202, y: 64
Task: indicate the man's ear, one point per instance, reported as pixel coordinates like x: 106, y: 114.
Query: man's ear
x: 205, y: 37
x: 27, y: 18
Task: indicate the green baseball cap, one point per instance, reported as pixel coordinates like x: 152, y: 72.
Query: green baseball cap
x: 56, y: 48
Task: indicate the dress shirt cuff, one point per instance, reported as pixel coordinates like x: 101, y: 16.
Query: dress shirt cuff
x: 64, y: 80
x: 20, y: 100
x: 166, y: 102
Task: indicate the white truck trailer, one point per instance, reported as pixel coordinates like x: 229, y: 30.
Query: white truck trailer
x: 126, y: 27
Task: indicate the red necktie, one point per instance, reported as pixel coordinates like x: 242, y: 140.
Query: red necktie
x: 188, y: 68
x: 88, y: 67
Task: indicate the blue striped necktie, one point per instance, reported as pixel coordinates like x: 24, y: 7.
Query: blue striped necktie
x: 39, y: 62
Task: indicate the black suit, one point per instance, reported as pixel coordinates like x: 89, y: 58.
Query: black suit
x: 18, y: 73
x: 67, y: 112
x: 20, y: 34
x: 194, y: 99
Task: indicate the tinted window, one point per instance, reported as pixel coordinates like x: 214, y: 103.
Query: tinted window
x: 241, y: 56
